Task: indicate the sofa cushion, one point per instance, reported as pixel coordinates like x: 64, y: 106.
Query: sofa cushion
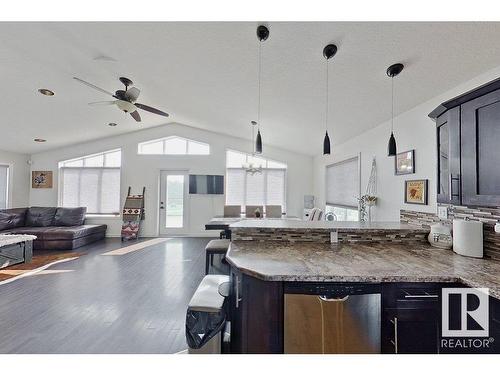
x: 36, y: 231
x: 40, y: 216
x: 68, y: 217
x: 71, y: 233
x: 11, y: 218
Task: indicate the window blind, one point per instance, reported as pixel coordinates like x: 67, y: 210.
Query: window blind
x: 343, y: 183
x: 266, y: 188
x: 98, y: 189
x: 4, y: 185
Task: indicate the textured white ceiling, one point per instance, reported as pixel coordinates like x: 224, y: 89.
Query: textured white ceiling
x: 205, y: 75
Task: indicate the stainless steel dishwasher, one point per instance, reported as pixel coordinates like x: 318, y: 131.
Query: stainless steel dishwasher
x: 342, y: 318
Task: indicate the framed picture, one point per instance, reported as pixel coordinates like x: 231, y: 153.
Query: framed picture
x: 41, y: 179
x: 416, y: 191
x: 404, y: 163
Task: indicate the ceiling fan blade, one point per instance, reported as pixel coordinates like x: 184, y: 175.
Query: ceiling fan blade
x: 107, y: 102
x: 93, y: 86
x: 132, y: 94
x: 151, y: 109
x: 136, y: 116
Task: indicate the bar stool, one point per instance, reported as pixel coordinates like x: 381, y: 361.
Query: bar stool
x: 212, y: 248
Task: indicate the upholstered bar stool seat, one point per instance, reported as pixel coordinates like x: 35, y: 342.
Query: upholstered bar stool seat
x: 212, y: 248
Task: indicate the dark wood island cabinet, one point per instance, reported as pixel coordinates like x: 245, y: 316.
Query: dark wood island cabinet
x: 410, y: 317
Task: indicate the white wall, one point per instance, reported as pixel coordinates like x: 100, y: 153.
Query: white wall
x: 144, y: 170
x: 413, y: 130
x: 19, y: 178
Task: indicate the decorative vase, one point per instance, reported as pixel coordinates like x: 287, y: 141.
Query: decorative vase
x: 257, y: 213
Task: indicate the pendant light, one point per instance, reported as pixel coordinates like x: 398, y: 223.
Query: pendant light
x: 392, y: 72
x: 328, y: 52
x: 262, y: 35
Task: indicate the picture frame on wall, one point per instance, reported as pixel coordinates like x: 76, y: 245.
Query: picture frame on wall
x: 41, y: 179
x: 404, y: 163
x: 416, y: 191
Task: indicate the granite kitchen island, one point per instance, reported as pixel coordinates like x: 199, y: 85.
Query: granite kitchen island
x: 272, y: 260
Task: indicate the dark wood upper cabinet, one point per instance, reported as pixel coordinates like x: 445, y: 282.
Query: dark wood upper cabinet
x: 481, y: 151
x: 468, y: 147
x: 448, y: 170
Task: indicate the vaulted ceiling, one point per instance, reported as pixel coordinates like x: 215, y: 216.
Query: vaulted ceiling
x: 205, y: 75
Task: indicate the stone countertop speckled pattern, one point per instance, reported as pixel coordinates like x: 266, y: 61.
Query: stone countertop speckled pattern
x: 361, y: 262
x: 327, y: 225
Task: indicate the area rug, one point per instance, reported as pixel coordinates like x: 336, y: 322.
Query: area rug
x: 40, y: 262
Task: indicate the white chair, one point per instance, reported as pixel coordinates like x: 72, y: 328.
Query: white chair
x: 316, y: 214
x: 273, y: 211
x: 232, y: 211
x: 250, y: 211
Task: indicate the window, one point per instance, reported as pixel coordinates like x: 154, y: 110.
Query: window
x: 173, y: 146
x: 342, y: 189
x: 92, y: 181
x: 266, y: 188
x: 4, y: 185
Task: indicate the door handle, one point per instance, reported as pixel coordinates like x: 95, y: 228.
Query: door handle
x: 395, y: 342
x: 457, y: 178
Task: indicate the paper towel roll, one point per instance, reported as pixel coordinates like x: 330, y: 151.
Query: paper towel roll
x: 468, y: 238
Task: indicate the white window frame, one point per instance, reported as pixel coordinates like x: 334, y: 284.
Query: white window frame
x: 264, y: 168
x: 164, y: 152
x: 61, y: 179
x: 8, y: 189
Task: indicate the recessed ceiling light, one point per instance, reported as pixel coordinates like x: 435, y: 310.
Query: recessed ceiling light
x: 112, y: 124
x: 40, y: 140
x: 46, y: 92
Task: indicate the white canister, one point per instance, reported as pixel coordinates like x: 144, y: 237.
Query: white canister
x: 468, y: 238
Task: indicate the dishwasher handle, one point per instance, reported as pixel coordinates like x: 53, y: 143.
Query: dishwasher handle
x: 339, y: 299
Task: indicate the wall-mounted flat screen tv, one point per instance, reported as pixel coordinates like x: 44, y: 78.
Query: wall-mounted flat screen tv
x: 206, y: 184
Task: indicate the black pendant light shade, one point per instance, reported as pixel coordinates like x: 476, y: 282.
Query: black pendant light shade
x: 391, y: 148
x: 326, y: 144
x: 258, y: 143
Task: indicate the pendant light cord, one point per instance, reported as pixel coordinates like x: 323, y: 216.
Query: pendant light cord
x: 260, y: 69
x: 326, y: 96
x: 392, y: 104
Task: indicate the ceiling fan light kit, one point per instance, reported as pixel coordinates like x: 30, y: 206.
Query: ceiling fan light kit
x: 126, y: 100
x: 46, y: 92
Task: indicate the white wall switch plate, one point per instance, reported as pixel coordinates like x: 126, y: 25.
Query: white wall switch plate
x: 443, y: 212
x: 334, y: 237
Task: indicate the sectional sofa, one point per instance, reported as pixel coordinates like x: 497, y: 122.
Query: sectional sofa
x: 56, y: 228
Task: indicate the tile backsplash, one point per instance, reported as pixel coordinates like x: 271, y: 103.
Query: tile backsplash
x: 489, y: 217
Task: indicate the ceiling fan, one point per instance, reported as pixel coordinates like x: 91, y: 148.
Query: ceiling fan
x: 126, y: 99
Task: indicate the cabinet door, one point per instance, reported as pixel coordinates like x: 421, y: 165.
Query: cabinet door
x: 448, y: 144
x: 480, y: 126
x: 411, y: 331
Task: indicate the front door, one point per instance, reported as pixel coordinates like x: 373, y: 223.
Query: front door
x: 173, y: 202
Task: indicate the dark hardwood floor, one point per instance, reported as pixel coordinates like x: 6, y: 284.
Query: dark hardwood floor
x: 133, y: 303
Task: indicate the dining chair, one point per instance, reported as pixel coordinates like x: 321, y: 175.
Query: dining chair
x: 251, y: 210
x: 232, y: 211
x: 273, y: 211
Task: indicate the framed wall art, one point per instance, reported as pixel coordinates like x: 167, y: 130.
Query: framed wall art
x: 416, y: 191
x: 41, y: 179
x: 404, y: 163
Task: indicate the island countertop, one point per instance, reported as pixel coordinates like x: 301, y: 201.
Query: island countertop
x: 361, y: 262
x: 328, y: 225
